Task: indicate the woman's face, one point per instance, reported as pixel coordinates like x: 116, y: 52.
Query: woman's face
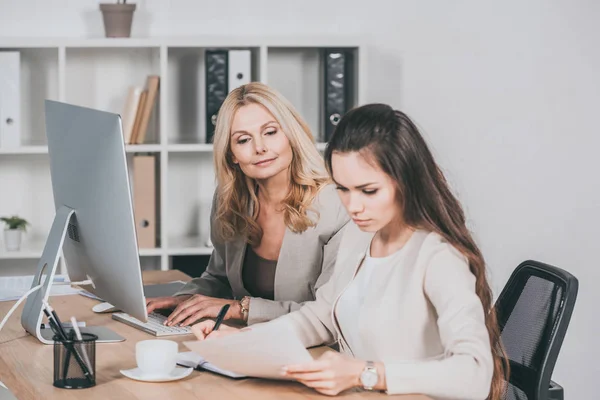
x: 367, y: 192
x: 259, y: 146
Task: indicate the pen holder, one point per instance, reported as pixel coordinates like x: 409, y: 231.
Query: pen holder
x: 75, y: 362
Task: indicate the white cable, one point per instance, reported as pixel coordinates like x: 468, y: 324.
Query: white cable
x: 33, y: 289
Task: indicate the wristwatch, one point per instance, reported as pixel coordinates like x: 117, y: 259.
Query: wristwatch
x: 369, y: 376
x: 245, y: 305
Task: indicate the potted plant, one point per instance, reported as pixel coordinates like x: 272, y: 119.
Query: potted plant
x: 117, y: 18
x: 15, y: 225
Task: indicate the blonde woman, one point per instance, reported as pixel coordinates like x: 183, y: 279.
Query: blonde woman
x: 275, y: 220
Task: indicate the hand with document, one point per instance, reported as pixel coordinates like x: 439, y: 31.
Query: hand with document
x: 272, y: 350
x: 256, y: 352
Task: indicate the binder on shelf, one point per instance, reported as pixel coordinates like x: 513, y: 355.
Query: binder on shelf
x: 337, y: 88
x: 225, y: 71
x: 145, y: 196
x: 239, y: 68
x: 10, y: 99
x: 216, y: 87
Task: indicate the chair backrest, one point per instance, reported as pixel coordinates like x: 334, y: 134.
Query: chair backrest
x: 534, y: 310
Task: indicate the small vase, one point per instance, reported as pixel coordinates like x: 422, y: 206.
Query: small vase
x: 12, y: 239
x: 117, y: 19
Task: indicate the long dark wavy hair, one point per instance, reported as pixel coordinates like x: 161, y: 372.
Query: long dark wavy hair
x: 392, y: 140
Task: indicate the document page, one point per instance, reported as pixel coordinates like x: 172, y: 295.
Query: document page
x: 260, y: 352
x: 13, y: 287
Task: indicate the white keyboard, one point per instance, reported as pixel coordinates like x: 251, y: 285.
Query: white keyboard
x: 154, y: 326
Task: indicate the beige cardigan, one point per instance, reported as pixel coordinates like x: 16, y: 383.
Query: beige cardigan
x: 305, y: 263
x: 423, y: 320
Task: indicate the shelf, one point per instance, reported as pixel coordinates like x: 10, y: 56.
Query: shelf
x: 150, y: 252
x: 183, y: 41
x: 143, y: 148
x: 190, y: 148
x: 205, y: 148
x: 136, y: 148
x: 33, y: 250
x: 130, y: 148
x: 85, y: 86
x: 296, y: 74
x: 25, y: 150
x: 188, y: 246
x: 78, y: 42
x: 29, y: 250
x: 39, y: 81
x: 98, y: 72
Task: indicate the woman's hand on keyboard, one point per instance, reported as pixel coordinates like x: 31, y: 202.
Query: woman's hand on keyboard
x: 199, y: 306
x: 157, y: 303
x: 204, y: 330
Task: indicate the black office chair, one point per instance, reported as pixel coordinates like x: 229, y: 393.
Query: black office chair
x: 534, y: 310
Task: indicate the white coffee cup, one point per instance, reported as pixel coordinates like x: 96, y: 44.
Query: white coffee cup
x: 156, y: 357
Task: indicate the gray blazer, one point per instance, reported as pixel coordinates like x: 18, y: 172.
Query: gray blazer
x: 305, y: 263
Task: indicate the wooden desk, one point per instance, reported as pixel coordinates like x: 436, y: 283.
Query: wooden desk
x: 26, y: 365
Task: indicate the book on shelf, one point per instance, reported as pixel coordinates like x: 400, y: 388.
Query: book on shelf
x: 138, y: 117
x: 130, y: 111
x: 152, y: 84
x: 138, y: 109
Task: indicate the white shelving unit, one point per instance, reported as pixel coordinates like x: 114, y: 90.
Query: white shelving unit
x: 97, y: 73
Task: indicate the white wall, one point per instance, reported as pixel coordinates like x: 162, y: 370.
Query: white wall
x: 504, y: 92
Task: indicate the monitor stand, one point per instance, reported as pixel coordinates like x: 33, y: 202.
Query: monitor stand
x: 31, y: 318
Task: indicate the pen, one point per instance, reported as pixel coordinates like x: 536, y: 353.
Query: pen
x: 57, y: 322
x: 80, y: 339
x: 53, y: 320
x: 221, y: 316
x: 60, y: 332
x: 51, y: 323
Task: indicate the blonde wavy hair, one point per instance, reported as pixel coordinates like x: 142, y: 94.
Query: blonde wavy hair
x: 237, y: 205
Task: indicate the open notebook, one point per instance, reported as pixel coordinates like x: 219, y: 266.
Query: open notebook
x: 195, y: 360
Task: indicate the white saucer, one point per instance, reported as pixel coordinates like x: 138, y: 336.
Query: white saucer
x: 138, y: 375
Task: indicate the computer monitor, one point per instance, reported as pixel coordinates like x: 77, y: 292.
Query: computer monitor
x: 94, y: 223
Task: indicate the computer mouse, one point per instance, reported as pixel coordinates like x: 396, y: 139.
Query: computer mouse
x: 104, y: 308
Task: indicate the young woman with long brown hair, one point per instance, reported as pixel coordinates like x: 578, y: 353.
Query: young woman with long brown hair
x: 409, y: 301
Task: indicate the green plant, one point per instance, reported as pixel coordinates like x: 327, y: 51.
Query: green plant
x: 15, y: 222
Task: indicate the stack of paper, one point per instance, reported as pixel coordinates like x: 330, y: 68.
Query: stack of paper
x: 13, y: 287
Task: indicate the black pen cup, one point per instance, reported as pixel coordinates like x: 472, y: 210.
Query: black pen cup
x: 75, y: 362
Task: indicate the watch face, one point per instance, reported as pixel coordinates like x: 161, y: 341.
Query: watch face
x: 368, y: 378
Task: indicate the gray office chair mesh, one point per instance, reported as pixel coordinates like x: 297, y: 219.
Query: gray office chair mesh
x: 534, y: 310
